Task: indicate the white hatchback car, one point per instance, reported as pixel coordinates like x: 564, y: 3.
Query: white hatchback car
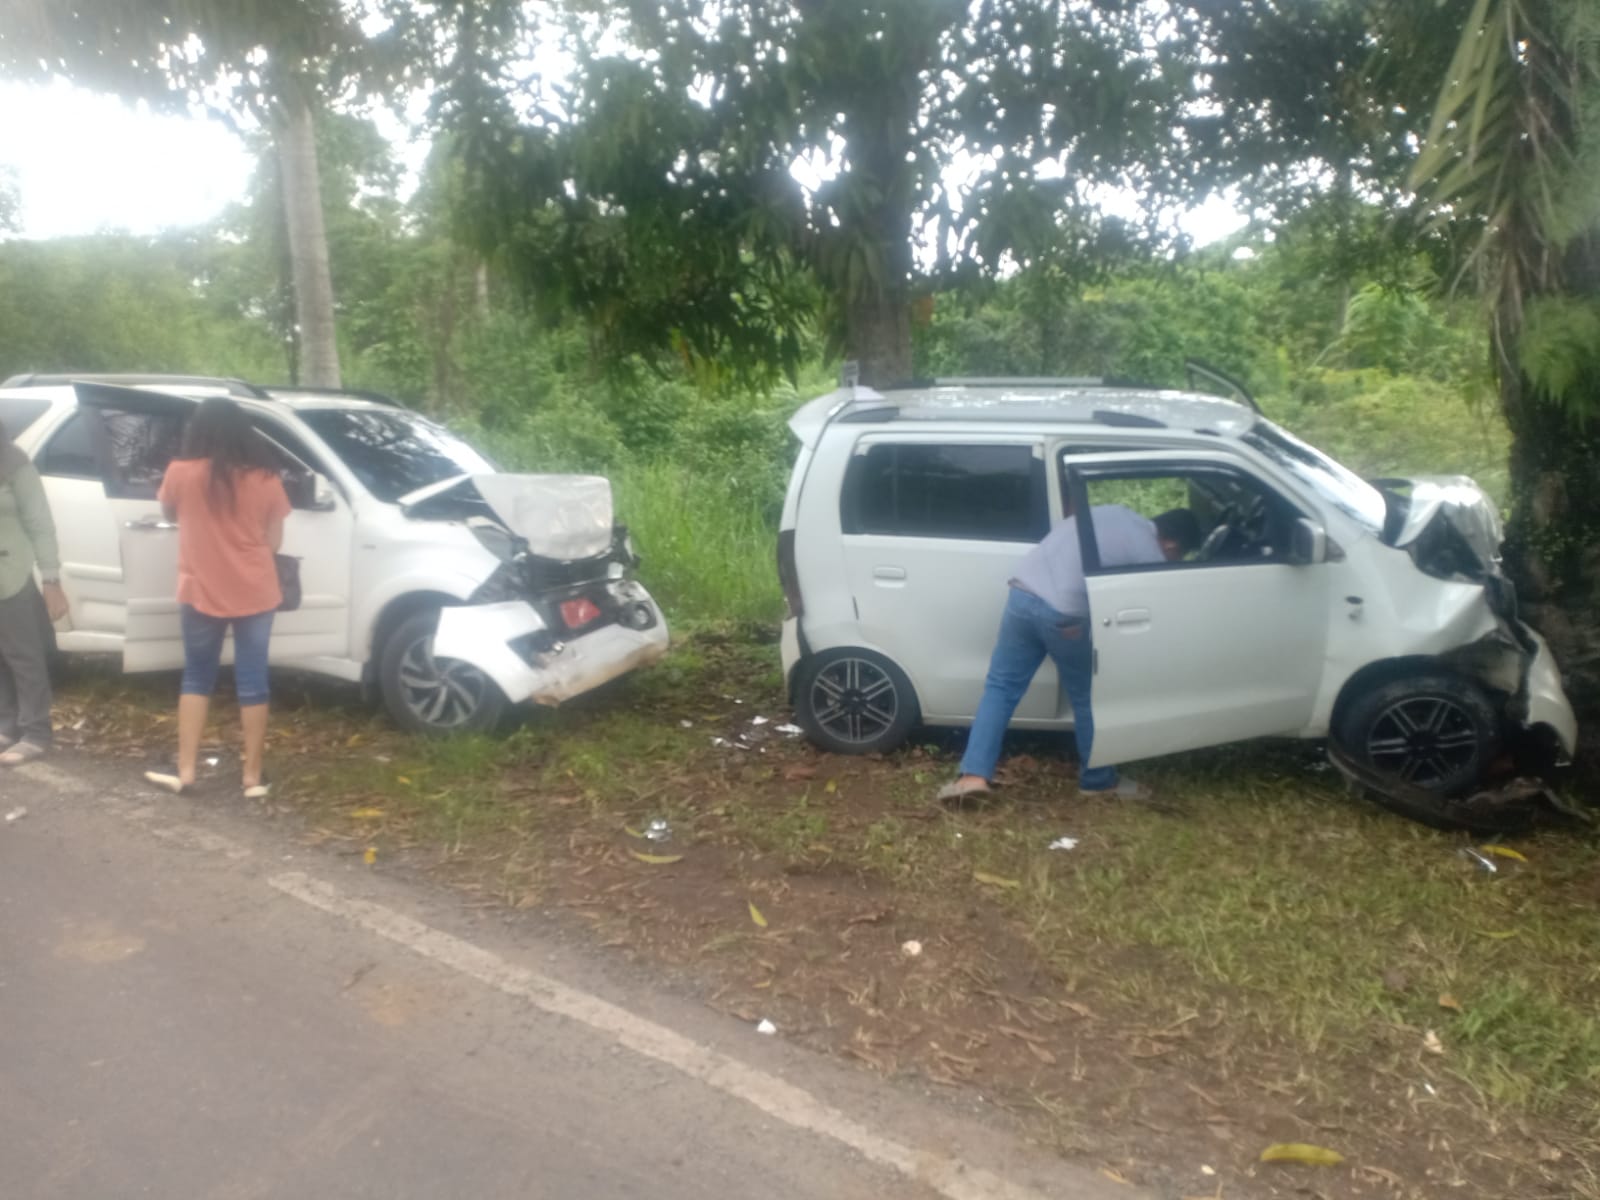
x: 1319, y: 604
x: 427, y: 576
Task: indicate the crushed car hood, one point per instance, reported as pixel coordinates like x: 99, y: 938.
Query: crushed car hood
x: 1449, y: 525
x: 563, y: 517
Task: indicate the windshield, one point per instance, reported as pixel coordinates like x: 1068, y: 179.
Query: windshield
x: 1342, y: 488
x: 394, y: 453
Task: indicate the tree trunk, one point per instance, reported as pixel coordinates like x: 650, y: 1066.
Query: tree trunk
x: 294, y: 136
x: 878, y: 336
x: 1553, y: 542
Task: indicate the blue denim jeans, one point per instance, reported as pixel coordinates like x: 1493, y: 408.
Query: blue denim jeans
x: 1029, y: 630
x: 202, y: 654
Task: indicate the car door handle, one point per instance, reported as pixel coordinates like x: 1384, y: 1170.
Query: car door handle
x: 891, y: 574
x: 1132, y: 618
x: 148, y: 523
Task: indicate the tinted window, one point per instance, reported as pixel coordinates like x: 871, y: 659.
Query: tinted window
x: 17, y: 414
x: 995, y: 493
x: 69, y: 454
x: 394, y: 453
x: 141, y: 445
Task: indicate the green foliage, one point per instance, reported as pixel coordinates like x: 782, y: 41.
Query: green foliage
x: 120, y: 303
x: 1560, y: 351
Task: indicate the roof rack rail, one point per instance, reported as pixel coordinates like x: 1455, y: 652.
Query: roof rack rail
x: 1016, y: 381
x: 234, y: 387
x: 353, y: 393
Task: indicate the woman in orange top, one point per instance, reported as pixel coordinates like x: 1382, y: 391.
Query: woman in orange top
x: 225, y: 495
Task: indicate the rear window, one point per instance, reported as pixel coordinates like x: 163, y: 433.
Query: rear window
x: 17, y: 413
x: 978, y: 492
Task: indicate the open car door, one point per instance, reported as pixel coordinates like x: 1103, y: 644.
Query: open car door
x: 135, y: 434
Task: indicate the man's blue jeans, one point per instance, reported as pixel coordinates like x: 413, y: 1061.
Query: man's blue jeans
x: 1029, y: 630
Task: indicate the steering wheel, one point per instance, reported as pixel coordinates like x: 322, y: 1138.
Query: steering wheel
x: 1214, y: 541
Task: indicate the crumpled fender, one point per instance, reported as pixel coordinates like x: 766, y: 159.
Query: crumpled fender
x: 482, y: 635
x: 1547, y: 699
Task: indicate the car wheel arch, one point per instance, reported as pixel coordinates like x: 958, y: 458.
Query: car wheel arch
x: 393, y: 615
x: 1388, y: 670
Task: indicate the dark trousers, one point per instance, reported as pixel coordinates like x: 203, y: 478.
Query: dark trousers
x: 24, y: 678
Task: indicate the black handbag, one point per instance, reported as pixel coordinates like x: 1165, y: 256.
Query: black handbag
x: 288, y: 581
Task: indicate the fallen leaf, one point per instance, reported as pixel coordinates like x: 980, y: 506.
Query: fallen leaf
x: 1504, y: 852
x: 367, y: 814
x: 1446, y: 1000
x: 371, y: 856
x: 755, y: 915
x: 656, y: 860
x: 632, y: 832
x: 1302, y: 1152
x: 1116, y: 1177
x: 832, y: 786
x: 798, y: 772
x: 1499, y: 935
x: 402, y: 779
x: 995, y: 880
x: 1431, y: 1043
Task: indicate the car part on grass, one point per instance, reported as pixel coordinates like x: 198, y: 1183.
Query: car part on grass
x: 1483, y: 860
x: 658, y: 830
x: 855, y: 702
x: 1510, y: 807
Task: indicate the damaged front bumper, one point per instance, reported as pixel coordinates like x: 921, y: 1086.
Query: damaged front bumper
x: 511, y: 643
x: 1545, y: 699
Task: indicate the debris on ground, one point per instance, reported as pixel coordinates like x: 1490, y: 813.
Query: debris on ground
x: 16, y: 814
x: 1302, y: 1152
x: 790, y: 730
x: 911, y: 949
x: 1064, y: 843
x: 767, y: 1027
x: 1483, y: 860
x: 1431, y: 1042
x: 658, y: 830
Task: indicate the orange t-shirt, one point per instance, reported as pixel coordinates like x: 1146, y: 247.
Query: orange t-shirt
x: 225, y: 565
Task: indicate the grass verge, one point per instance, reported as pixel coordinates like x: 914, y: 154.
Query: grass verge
x: 1259, y: 959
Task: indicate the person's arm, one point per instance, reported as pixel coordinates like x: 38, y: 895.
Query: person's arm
x: 167, y: 497
x: 277, y: 510
x: 33, y: 511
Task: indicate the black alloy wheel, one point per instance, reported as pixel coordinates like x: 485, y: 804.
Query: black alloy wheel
x: 855, y: 702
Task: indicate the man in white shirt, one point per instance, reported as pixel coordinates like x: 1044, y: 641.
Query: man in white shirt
x: 1047, y: 612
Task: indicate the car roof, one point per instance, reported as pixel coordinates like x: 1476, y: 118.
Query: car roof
x: 184, y: 385
x: 1043, y: 402
x: 58, y: 386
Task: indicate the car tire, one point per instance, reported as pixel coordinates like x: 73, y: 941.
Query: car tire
x: 434, y: 696
x: 852, y: 701
x: 1436, y: 731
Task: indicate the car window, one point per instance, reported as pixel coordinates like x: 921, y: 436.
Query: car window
x: 297, y: 462
x: 1240, y: 520
x: 984, y: 492
x: 394, y: 453
x: 1341, y: 487
x: 17, y: 413
x: 69, y: 454
x: 139, y: 447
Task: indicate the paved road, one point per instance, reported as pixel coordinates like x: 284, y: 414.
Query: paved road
x: 193, y: 1006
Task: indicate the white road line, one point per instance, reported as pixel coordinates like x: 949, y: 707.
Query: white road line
x: 948, y: 1176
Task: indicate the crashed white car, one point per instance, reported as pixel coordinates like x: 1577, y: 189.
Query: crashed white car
x: 1320, y: 603
x: 447, y: 587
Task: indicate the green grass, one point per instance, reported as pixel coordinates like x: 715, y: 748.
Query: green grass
x: 708, y: 541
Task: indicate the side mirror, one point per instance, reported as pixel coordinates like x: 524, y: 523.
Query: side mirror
x: 1308, y: 543
x: 322, y: 498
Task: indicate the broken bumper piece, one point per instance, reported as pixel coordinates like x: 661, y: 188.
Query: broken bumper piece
x: 510, y: 643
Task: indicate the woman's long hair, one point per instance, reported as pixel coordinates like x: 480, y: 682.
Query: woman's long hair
x: 219, y: 432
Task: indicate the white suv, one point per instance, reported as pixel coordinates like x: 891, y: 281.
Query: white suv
x: 1319, y: 603
x: 449, y: 588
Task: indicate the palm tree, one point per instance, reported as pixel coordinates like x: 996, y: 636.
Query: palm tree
x: 1511, y: 164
